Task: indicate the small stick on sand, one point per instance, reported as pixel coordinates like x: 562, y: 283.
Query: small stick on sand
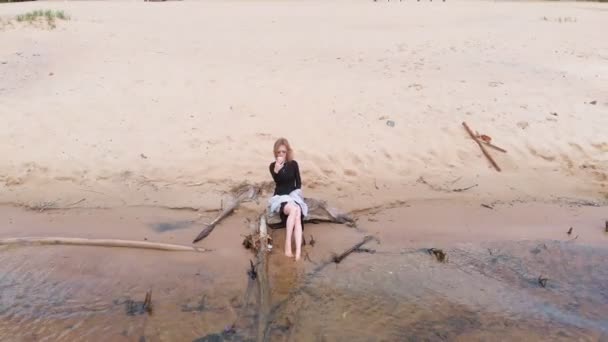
x: 148, y: 301
x: 483, y: 149
x: 439, y: 188
x: 77, y: 202
x: 495, y: 147
x: 99, y: 243
x: 464, y: 189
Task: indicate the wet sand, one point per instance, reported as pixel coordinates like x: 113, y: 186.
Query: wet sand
x: 487, y: 288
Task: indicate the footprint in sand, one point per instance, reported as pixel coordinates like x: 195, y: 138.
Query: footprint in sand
x: 350, y: 173
x: 545, y: 157
x: 356, y: 160
x: 328, y: 172
x: 603, y: 147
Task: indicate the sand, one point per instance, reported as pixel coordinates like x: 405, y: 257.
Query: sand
x: 170, y: 104
x: 130, y: 109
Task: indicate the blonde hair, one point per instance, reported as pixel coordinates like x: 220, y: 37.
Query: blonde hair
x: 283, y: 142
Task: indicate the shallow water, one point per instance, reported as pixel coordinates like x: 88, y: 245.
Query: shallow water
x: 475, y: 295
x: 482, y: 292
x: 487, y: 290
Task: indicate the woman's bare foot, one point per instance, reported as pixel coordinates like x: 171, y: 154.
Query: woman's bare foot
x: 288, y: 254
x: 297, y: 257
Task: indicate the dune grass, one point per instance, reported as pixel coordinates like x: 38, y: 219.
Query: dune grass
x: 45, y: 15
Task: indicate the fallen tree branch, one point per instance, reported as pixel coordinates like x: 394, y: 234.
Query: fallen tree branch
x: 99, y: 243
x: 318, y: 210
x: 247, y: 193
x: 139, y: 308
x: 264, y: 299
x: 210, y: 227
x: 483, y: 149
x: 338, y: 258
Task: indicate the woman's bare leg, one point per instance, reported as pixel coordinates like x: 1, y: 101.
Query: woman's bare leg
x: 290, y: 211
x: 298, y: 232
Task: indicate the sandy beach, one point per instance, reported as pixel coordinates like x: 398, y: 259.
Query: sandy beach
x: 171, y: 104
x: 137, y: 120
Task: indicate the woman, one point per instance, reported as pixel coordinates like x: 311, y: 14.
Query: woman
x: 288, y: 200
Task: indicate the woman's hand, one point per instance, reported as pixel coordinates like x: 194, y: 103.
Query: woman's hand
x: 279, y: 163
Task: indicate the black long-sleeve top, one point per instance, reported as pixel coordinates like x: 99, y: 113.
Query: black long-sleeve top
x: 287, y: 179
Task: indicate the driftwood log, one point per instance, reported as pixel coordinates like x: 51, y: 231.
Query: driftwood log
x: 99, y: 243
x: 263, y: 282
x: 318, y: 210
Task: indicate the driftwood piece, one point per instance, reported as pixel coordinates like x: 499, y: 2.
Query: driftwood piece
x: 439, y: 254
x: 246, y: 193
x: 263, y: 283
x: 100, y: 243
x: 542, y: 281
x: 139, y: 308
x: 365, y: 250
x: 211, y: 226
x: 318, y: 211
x: 338, y: 258
x: 483, y: 149
x: 487, y: 141
x: 465, y: 189
x: 252, y: 273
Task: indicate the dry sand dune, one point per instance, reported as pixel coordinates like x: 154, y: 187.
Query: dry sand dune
x: 173, y: 103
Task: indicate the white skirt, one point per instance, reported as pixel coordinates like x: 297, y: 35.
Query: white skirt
x: 274, y: 203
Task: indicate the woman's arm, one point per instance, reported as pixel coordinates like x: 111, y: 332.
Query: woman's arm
x: 274, y: 175
x: 297, y: 171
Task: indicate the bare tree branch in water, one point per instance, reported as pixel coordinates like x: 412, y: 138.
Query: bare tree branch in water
x: 319, y: 210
